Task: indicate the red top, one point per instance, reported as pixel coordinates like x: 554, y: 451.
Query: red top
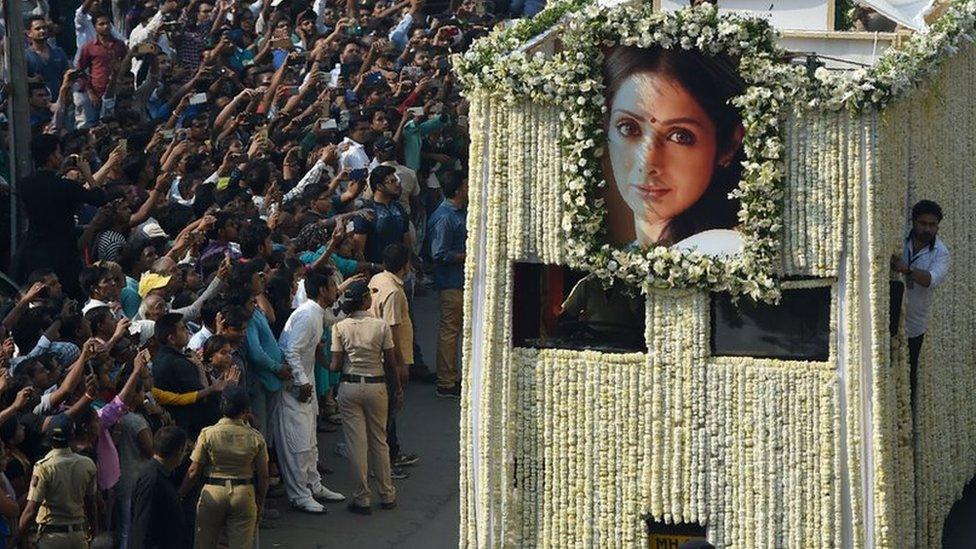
x: 98, y: 58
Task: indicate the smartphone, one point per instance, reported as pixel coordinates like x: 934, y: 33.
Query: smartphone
x: 373, y: 78
x: 198, y: 98
x: 444, y: 65
x: 168, y: 134
x: 145, y: 48
x: 412, y: 72
x: 359, y: 174
x: 282, y: 43
x: 329, y: 124
x: 416, y: 111
x: 123, y: 144
x: 350, y: 227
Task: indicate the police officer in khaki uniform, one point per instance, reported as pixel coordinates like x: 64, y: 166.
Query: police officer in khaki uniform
x: 231, y: 459
x: 362, y: 348
x: 62, y: 493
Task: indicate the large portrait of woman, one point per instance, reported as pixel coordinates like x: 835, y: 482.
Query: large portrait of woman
x: 674, y: 149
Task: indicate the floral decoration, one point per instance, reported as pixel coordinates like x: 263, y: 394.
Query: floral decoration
x: 571, y: 79
x: 757, y: 449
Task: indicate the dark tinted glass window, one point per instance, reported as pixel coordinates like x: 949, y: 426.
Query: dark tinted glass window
x: 662, y: 535
x: 560, y: 308
x: 798, y: 328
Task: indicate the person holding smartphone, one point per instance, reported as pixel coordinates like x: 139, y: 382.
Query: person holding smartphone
x: 353, y: 148
x: 50, y: 202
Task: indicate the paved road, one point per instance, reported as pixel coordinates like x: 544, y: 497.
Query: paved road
x: 427, y: 516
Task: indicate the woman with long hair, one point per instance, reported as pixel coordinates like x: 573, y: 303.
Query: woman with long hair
x: 674, y: 146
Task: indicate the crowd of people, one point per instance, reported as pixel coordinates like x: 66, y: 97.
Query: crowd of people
x: 233, y: 207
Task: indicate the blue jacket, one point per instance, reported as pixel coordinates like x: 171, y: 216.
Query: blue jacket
x: 448, y: 234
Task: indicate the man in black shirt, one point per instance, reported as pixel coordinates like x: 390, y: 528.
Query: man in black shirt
x: 390, y: 223
x: 51, y: 202
x: 157, y: 517
x: 174, y: 372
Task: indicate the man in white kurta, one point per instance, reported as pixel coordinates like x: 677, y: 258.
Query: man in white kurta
x: 298, y: 451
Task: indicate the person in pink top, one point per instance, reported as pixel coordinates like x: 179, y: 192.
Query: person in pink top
x: 99, y: 423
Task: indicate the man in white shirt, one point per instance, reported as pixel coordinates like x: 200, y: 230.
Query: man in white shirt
x: 925, y: 264
x: 353, y: 153
x: 208, y: 315
x: 297, y: 444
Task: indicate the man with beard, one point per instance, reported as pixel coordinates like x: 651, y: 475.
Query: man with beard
x: 43, y: 58
x: 925, y: 264
x: 390, y: 224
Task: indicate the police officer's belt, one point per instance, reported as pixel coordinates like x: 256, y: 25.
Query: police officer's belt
x: 352, y: 378
x: 233, y: 481
x: 61, y: 528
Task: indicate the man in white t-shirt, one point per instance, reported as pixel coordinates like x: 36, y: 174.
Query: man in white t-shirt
x: 352, y: 149
x: 925, y: 264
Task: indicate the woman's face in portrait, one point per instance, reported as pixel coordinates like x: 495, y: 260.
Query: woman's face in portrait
x: 662, y: 149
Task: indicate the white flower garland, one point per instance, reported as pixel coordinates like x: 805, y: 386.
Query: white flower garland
x: 571, y: 79
x: 748, y: 446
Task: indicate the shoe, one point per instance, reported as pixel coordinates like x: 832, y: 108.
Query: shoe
x: 274, y: 481
x: 324, y: 469
x: 342, y: 450
x: 398, y: 474
x: 266, y: 524
x: 450, y: 392
x: 405, y: 460
x: 360, y: 509
x: 388, y: 505
x: 309, y: 506
x: 276, y: 491
x: 324, y: 493
x: 271, y: 513
x: 334, y: 419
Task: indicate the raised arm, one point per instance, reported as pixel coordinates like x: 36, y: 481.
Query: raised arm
x: 76, y: 372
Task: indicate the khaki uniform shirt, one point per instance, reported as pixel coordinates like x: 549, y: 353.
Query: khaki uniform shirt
x: 62, y: 479
x: 230, y: 449
x: 363, y: 338
x: 390, y: 304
